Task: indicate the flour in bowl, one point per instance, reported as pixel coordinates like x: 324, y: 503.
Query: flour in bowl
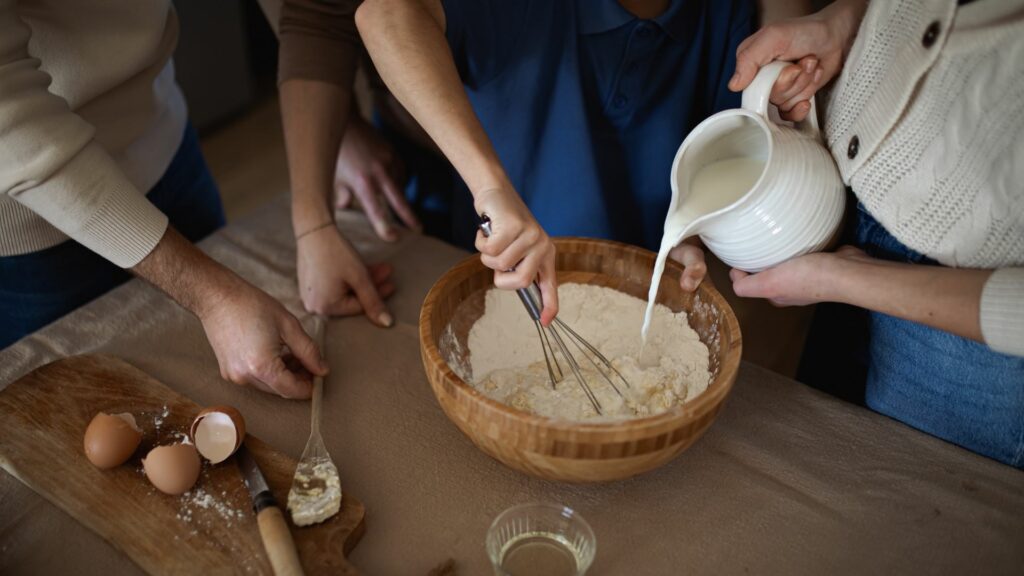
x: 508, y: 363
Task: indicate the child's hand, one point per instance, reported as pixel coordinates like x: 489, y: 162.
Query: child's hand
x: 691, y: 256
x: 518, y: 249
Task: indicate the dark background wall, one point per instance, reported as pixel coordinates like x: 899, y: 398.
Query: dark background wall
x: 226, y: 59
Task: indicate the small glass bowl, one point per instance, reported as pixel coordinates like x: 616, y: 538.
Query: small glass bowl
x: 549, y: 526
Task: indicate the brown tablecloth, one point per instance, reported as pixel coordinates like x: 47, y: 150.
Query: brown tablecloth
x: 788, y: 480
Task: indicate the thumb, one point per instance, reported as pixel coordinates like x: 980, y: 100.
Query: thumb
x: 694, y: 266
x: 748, y: 285
x: 302, y: 346
x: 759, y: 49
x: 371, y: 302
x: 736, y: 275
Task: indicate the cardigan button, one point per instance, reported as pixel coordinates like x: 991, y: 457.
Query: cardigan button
x: 853, y: 148
x: 931, y: 34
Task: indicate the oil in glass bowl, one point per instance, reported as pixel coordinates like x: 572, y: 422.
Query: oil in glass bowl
x: 540, y: 540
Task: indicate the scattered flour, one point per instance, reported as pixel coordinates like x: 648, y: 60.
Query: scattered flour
x: 158, y: 420
x: 508, y: 363
x: 199, y: 498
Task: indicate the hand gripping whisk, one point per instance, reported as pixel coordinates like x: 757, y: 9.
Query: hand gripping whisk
x: 554, y: 337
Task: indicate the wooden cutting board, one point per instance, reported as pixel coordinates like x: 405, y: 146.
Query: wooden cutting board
x: 209, y: 530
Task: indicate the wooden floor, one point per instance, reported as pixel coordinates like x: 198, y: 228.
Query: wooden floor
x: 247, y: 159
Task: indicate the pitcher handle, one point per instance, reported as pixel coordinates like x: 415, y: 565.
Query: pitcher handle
x: 755, y: 97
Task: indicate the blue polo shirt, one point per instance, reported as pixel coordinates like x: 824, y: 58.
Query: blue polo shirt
x: 586, y: 104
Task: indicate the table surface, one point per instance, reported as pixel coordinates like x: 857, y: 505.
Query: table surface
x: 788, y: 480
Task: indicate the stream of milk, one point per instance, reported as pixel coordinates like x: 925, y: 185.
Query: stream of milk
x: 715, y: 186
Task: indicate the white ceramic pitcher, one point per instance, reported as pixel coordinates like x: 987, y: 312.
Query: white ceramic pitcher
x: 795, y: 207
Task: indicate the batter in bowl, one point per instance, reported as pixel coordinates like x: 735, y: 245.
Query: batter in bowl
x: 508, y: 364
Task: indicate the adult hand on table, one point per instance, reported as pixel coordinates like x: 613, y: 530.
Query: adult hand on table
x: 369, y: 173
x: 518, y: 249
x: 259, y: 343
x: 817, y: 43
x: 334, y: 281
x: 256, y: 341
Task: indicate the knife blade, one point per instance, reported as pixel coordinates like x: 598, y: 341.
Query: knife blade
x: 277, y: 538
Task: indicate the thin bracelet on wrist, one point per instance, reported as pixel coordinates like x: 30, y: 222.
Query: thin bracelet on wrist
x: 314, y: 229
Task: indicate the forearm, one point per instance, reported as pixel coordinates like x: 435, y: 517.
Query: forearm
x: 408, y: 46
x: 315, y: 115
x: 186, y: 274
x: 318, y: 39
x: 940, y: 297
x: 777, y: 10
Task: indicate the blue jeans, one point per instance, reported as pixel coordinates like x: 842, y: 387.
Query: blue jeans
x: 951, y: 387
x: 40, y: 287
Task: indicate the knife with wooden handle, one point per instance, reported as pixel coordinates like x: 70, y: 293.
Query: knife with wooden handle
x: 277, y: 538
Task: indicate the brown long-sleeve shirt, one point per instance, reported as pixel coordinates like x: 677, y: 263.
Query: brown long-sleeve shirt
x: 318, y: 40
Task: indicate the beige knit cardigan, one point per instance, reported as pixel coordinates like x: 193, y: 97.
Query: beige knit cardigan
x: 926, y: 122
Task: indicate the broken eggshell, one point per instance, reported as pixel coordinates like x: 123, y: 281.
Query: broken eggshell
x: 218, y: 432
x: 111, y: 439
x: 173, y: 469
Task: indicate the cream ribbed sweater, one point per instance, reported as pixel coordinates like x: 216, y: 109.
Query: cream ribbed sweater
x: 927, y: 127
x: 90, y: 118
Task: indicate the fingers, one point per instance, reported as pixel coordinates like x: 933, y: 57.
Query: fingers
x: 380, y: 273
x: 793, y: 81
x: 342, y: 196
x: 380, y: 218
x: 398, y: 202
x: 522, y: 275
x: 302, y: 346
x: 760, y: 285
x: 511, y: 256
x: 270, y: 375
x: 808, y: 64
x: 344, y: 301
x: 502, y: 236
x: 749, y: 285
x: 757, y: 50
x: 539, y: 266
x: 548, y: 284
x: 798, y: 113
x: 347, y: 305
x: 694, y: 267
x: 371, y: 301
x: 736, y: 274
x: 282, y: 381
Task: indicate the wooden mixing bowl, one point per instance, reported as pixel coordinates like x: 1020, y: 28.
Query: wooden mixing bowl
x: 558, y: 449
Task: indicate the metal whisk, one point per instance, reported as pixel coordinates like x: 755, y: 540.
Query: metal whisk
x: 559, y: 332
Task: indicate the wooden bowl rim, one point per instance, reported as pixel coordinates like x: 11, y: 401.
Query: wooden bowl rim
x: 714, y: 394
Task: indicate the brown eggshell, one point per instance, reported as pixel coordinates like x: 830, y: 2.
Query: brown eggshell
x: 173, y: 469
x: 217, y: 432
x: 110, y: 440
